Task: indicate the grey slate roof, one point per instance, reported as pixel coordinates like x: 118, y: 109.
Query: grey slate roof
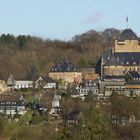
x: 73, y: 115
x: 10, y: 98
x: 48, y: 79
x: 124, y: 59
x: 64, y: 66
x: 133, y: 83
x: 113, y: 77
x: 134, y: 74
x: 127, y: 34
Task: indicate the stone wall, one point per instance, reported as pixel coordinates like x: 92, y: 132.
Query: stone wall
x: 127, y: 46
x: 3, y: 86
x: 68, y: 77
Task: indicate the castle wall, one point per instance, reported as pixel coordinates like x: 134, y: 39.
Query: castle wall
x: 127, y: 46
x: 68, y: 77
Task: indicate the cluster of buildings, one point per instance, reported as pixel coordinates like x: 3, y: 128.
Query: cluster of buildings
x: 119, y: 73
x: 11, y: 103
x: 120, y: 66
x: 119, y: 70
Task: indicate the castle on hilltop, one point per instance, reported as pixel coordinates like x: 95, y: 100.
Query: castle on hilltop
x: 125, y: 56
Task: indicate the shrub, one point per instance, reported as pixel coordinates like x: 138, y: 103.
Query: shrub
x: 36, y: 119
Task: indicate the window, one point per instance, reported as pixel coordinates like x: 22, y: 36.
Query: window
x: 127, y: 62
x: 94, y: 84
x: 90, y: 84
x: 86, y: 84
x: 134, y: 63
x: 7, y: 102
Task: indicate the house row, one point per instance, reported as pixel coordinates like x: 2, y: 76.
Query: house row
x: 128, y: 84
x: 41, y: 82
x: 12, y: 104
x: 90, y: 84
x: 122, y: 119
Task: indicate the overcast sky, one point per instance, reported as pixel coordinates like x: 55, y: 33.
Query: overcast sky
x: 62, y: 19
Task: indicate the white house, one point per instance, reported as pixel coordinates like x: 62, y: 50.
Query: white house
x: 55, y: 106
x: 23, y: 84
x: 45, y: 83
x: 55, y: 101
x: 12, y: 104
x: 12, y: 83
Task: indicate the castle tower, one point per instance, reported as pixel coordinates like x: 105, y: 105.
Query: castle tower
x: 127, y: 42
x: 125, y: 56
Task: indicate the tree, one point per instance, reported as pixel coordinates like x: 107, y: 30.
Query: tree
x: 33, y: 72
x: 83, y: 63
x: 68, y: 91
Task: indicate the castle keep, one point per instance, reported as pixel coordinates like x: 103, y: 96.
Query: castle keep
x: 125, y: 56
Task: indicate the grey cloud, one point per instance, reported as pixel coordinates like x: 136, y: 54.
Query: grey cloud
x: 94, y: 18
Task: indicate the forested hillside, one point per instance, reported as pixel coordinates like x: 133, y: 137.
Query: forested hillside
x: 24, y: 55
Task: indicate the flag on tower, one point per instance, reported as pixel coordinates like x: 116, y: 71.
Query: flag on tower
x: 127, y: 19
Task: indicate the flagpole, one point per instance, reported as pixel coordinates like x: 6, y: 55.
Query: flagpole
x: 127, y: 22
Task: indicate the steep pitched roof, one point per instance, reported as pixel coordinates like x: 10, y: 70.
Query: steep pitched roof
x: 48, y: 79
x: 134, y: 74
x: 55, y: 98
x: 10, y: 98
x: 127, y: 34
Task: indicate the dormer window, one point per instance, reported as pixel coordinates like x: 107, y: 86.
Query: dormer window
x: 127, y: 62
x: 134, y: 63
x: 117, y: 58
